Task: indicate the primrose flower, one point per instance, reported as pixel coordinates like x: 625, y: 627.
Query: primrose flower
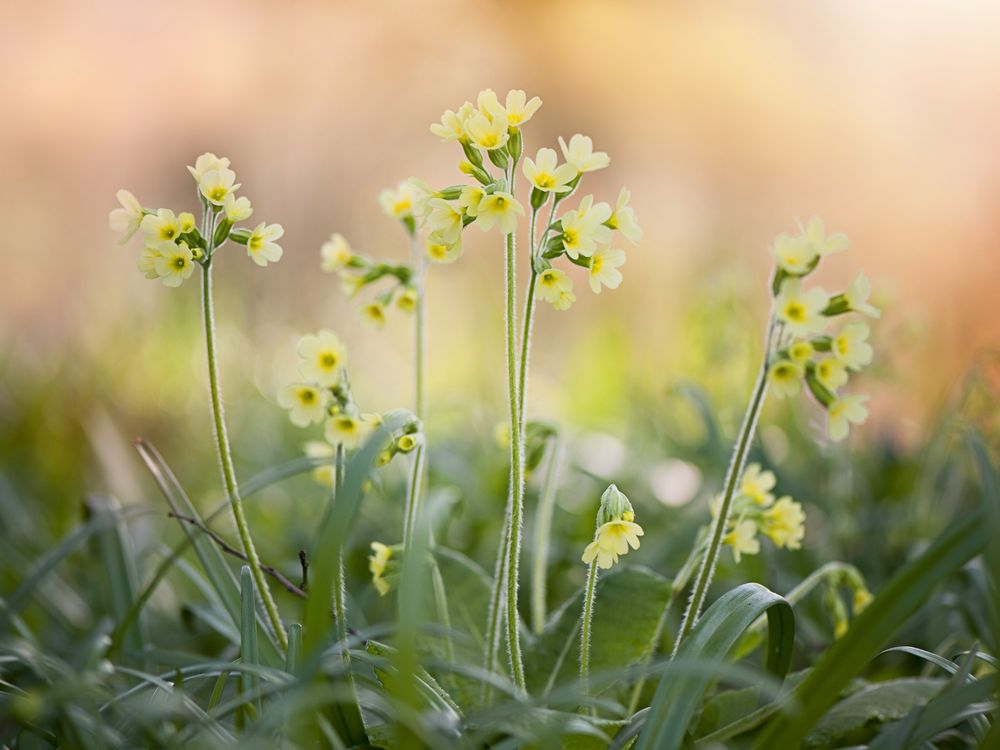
x: 323, y: 358
x: 444, y: 219
x: 336, y: 253
x: 147, y: 262
x: 306, y: 403
x: 580, y: 153
x: 397, y: 203
x: 583, y: 229
x: 544, y: 175
x: 786, y: 377
x: 851, y: 346
x: 186, y: 222
x: 440, y: 251
x: 378, y: 560
x: 174, y: 262
x: 784, y: 523
x: 757, y: 485
x: 556, y: 288
x: 518, y: 108
x: 616, y: 532
x: 794, y: 255
x: 801, y: 351
x: 236, y: 209
x: 623, y: 218
x: 261, y: 246
x: 860, y: 601
x: 407, y: 300
x: 346, y: 430
x: 128, y: 218
x: 831, y: 373
x: 161, y: 226
x: 801, y: 311
x: 822, y: 243
x: 844, y: 412
x: 743, y: 539
x: 318, y: 449
x: 604, y: 266
x: 216, y: 184
x: 373, y: 315
x: 205, y: 163
x: 469, y: 199
x: 489, y: 134
x: 499, y: 208
x: 452, y: 125
x: 857, y: 295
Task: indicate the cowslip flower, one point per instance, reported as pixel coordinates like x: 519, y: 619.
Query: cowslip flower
x: 583, y: 229
x: 348, y: 431
x: 857, y: 295
x: 452, y: 125
x: 397, y: 203
x: 822, y: 243
x: 236, y: 209
x: 440, y: 251
x: 487, y: 133
x: 604, y: 265
x: 205, y: 163
x: 785, y: 377
x: 373, y: 315
x: 444, y: 219
x: 261, y: 245
x: 544, y: 174
x: 161, y: 226
x: 469, y: 199
x: 757, y: 484
x: 844, y: 412
x: 580, y: 153
x: 378, y: 560
x: 518, y: 108
x: 831, y: 373
x: 174, y: 262
x: 420, y: 196
x: 216, y: 184
x: 784, y: 523
x: 556, y: 288
x: 128, y: 218
x: 499, y: 208
x: 851, y: 346
x: 743, y: 539
x: 323, y: 358
x: 336, y: 253
x: 407, y: 300
x: 147, y: 262
x: 794, y: 255
x: 305, y: 402
x: 623, y: 218
x: 318, y: 449
x: 801, y: 351
x: 801, y: 310
x: 616, y: 530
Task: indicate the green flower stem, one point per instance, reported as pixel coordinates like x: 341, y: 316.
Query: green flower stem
x: 415, y: 488
x: 543, y: 527
x: 493, y: 617
x: 733, y: 474
x: 224, y: 450
x: 585, y: 622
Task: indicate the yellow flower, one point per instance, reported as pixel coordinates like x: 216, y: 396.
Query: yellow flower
x: 784, y: 523
x: 440, y: 251
x: 373, y: 315
x: 377, y: 562
x: 147, y: 262
x: 822, y: 243
x: 543, y: 173
x: 604, y: 266
x: 407, y: 300
x: 186, y: 222
x: 397, y: 203
x: 420, y: 196
x: 487, y: 133
x: 174, y: 263
x: 499, y: 208
x: 857, y: 295
x: 831, y: 373
x: 844, y: 412
x: 323, y: 358
x: 261, y: 246
x: 580, y: 153
x: 163, y: 225
x: 237, y: 209
x: 862, y: 598
x: 128, y: 218
x: 851, y: 346
x: 583, y: 229
x: 216, y: 184
x: 794, y: 255
x: 406, y: 443
x: 623, y: 218
x: 786, y: 377
x: 488, y: 105
x: 469, y: 199
x: 324, y: 472
x: 611, y: 541
x: 556, y: 288
x: 452, y: 125
x: 757, y: 484
x: 801, y: 311
x: 335, y: 253
x: 519, y: 109
x: 444, y: 219
x: 801, y: 351
x: 205, y: 163
x: 306, y: 403
x: 743, y: 539
x: 347, y: 431
x: 350, y: 284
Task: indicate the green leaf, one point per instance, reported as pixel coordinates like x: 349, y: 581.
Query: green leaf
x: 711, y: 640
x: 893, y: 606
x: 248, y: 635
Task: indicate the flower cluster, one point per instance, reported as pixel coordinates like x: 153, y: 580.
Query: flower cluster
x: 324, y: 395
x: 616, y: 530
x: 806, y: 351
x: 755, y: 510
x: 173, y: 243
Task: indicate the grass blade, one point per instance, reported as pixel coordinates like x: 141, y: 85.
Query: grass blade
x: 248, y: 635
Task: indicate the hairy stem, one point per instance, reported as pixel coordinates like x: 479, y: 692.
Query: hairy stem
x: 543, y: 527
x: 585, y: 621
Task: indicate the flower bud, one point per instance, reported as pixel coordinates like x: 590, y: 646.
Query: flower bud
x: 472, y: 154
x: 514, y: 143
x: 615, y: 506
x: 499, y: 157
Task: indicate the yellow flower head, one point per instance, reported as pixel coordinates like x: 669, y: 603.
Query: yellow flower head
x: 757, y: 484
x: 844, y: 412
x: 420, y: 195
x: 378, y: 560
x: 544, y: 175
x: 147, y: 261
x: 406, y: 443
x: 554, y: 286
x: 346, y: 430
x: 261, y: 245
x: 216, y: 184
x: 452, y: 125
x: 800, y: 310
x: 822, y: 243
x: 611, y: 541
x: 786, y: 377
x: 518, y: 108
x: 350, y: 284
x: 489, y: 134
x: 499, y: 208
x: 186, y: 222
x: 128, y: 218
x: 407, y: 300
x: 623, y: 218
x: 794, y: 255
x: 784, y: 523
x: 440, y: 251
x: 857, y: 295
x: 236, y: 209
x: 469, y: 199
x: 851, y: 346
x: 862, y: 598
x: 831, y: 373
x: 306, y: 403
x: 743, y: 539
x: 580, y: 153
x: 801, y: 351
x: 373, y: 315
x: 161, y: 226
x: 323, y: 358
x: 444, y: 219
x: 336, y: 253
x: 324, y: 472
x: 583, y: 229
x: 398, y: 203
x: 604, y: 265
x: 207, y: 162
x: 174, y: 262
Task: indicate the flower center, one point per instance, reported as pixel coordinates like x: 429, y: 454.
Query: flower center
x: 795, y: 311
x: 328, y: 360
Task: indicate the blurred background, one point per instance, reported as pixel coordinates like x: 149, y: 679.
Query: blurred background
x: 727, y: 121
